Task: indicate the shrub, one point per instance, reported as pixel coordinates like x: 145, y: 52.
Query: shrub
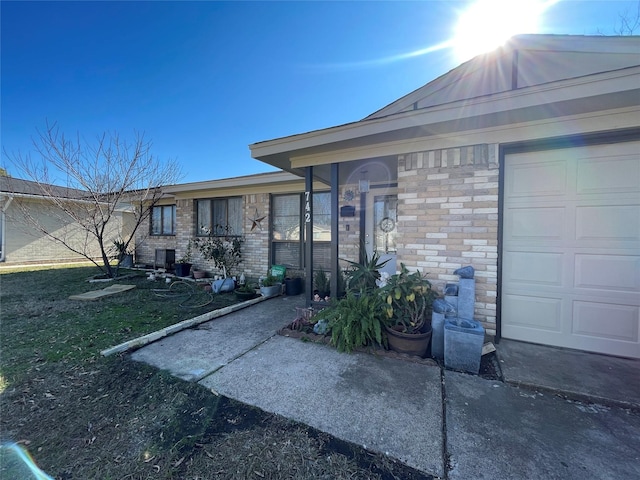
x: 355, y: 321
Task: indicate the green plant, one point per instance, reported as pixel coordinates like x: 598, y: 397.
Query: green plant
x: 321, y: 281
x: 408, y: 298
x: 269, y: 280
x: 120, y: 249
x: 355, y: 321
x: 247, y: 288
x: 188, y: 254
x: 362, y: 276
x: 342, y: 283
x: 225, y: 250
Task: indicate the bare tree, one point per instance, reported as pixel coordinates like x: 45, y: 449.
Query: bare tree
x: 88, y: 186
x: 629, y: 21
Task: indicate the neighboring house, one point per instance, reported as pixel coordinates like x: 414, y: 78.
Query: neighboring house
x: 265, y: 210
x: 525, y: 164
x: 24, y: 209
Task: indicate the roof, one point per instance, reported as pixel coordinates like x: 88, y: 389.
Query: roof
x: 524, y: 61
x: 533, y: 78
x: 20, y: 186
x: 271, y: 182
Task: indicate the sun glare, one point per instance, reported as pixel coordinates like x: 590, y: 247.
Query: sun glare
x: 487, y: 24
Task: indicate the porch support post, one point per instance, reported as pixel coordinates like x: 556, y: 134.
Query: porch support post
x: 308, y: 225
x: 335, y: 215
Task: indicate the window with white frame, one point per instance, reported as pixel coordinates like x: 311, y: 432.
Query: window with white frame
x: 219, y: 216
x: 163, y: 220
x: 287, y: 230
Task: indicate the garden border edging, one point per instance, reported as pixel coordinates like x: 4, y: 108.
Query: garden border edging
x: 175, y: 328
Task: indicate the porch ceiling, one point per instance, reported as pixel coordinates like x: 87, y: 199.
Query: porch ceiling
x: 377, y: 170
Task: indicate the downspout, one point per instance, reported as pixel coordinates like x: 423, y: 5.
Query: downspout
x: 5, y: 207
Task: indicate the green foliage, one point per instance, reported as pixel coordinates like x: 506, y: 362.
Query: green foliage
x: 362, y: 276
x: 321, y: 281
x: 342, y: 282
x: 355, y: 321
x: 188, y: 254
x: 120, y: 249
x: 247, y: 288
x: 408, y: 299
x: 269, y: 280
x: 224, y: 250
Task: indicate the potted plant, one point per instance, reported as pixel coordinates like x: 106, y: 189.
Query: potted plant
x: 199, y: 273
x: 355, y: 321
x: 246, y: 291
x: 293, y: 284
x: 408, y: 298
x: 123, y: 254
x: 270, y: 286
x: 183, y: 264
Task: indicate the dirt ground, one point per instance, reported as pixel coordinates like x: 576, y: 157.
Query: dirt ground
x: 118, y: 419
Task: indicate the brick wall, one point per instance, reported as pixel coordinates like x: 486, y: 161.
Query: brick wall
x: 255, y: 248
x: 448, y: 218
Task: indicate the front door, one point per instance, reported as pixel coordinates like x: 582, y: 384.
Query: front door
x: 380, y: 228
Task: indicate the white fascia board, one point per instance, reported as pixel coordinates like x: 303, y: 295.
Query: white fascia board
x: 599, y: 84
x: 233, y: 183
x: 548, y: 128
x: 49, y: 197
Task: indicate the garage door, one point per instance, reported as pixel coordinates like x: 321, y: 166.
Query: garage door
x: 571, y: 248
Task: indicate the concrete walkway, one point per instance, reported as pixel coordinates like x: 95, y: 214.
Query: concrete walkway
x: 445, y: 424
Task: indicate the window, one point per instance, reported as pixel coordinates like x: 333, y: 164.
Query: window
x: 219, y: 216
x: 163, y: 220
x: 288, y: 223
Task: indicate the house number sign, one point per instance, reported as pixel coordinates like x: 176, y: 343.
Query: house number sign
x: 307, y: 207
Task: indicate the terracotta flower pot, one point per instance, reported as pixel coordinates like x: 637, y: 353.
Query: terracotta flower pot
x: 199, y: 273
x: 409, y: 343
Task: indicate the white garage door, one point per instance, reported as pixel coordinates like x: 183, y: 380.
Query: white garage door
x: 571, y: 248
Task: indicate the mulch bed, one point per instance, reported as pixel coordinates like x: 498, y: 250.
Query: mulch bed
x: 489, y: 365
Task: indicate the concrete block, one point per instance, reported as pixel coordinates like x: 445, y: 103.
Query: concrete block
x: 466, y: 298
x: 463, y: 340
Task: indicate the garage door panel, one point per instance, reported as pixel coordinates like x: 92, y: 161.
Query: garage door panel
x: 538, y: 268
x: 539, y: 179
x: 619, y: 273
x: 540, y: 313
x: 570, y: 248
x: 606, y: 320
x: 608, y: 175
x: 610, y: 223
x: 536, y: 223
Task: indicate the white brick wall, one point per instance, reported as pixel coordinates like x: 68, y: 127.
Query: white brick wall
x: 456, y: 194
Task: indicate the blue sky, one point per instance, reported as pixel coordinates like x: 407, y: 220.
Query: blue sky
x: 203, y: 80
